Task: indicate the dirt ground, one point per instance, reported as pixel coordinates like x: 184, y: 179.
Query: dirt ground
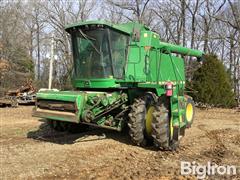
x: 31, y: 150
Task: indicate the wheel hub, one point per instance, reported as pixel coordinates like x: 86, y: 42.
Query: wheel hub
x: 189, y: 112
x: 148, y: 119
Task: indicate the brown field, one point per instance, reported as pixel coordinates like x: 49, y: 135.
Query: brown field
x: 31, y: 150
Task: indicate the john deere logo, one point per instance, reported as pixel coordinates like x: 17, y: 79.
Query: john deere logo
x: 86, y: 83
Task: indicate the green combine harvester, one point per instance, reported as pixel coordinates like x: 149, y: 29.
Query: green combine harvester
x: 123, y: 75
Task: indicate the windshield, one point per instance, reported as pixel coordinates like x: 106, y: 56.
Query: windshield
x: 99, y: 53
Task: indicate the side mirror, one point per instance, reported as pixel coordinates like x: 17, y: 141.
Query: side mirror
x: 136, y: 34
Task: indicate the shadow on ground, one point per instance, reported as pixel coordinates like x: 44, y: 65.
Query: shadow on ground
x: 46, y: 133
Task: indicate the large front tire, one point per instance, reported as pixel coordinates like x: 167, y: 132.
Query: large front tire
x: 136, y: 123
x: 162, y: 127
x: 140, y: 119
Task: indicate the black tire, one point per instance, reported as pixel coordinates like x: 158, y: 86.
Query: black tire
x: 136, y: 122
x: 161, y: 126
x: 189, y: 120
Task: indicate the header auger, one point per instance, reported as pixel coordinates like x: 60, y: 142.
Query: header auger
x: 123, y: 75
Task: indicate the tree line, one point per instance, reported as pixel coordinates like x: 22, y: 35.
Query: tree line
x: 212, y: 26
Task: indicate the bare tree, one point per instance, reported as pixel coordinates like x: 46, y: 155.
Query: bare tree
x: 136, y: 8
x: 231, y: 17
x: 209, y: 25
x: 61, y: 13
x: 112, y: 13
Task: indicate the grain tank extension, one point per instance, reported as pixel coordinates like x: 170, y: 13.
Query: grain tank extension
x: 123, y: 75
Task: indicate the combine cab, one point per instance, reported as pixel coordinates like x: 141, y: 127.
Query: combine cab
x: 123, y: 75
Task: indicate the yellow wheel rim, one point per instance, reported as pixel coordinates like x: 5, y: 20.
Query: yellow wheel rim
x: 171, y: 128
x: 149, y: 118
x: 189, y: 112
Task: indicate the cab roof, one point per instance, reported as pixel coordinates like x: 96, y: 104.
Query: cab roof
x: 125, y: 27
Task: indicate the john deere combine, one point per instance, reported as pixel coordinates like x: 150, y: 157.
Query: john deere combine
x: 123, y: 75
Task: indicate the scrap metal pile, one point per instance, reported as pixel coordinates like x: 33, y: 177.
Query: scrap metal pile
x: 24, y: 95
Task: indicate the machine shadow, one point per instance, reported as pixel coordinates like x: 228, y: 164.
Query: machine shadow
x: 46, y: 133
